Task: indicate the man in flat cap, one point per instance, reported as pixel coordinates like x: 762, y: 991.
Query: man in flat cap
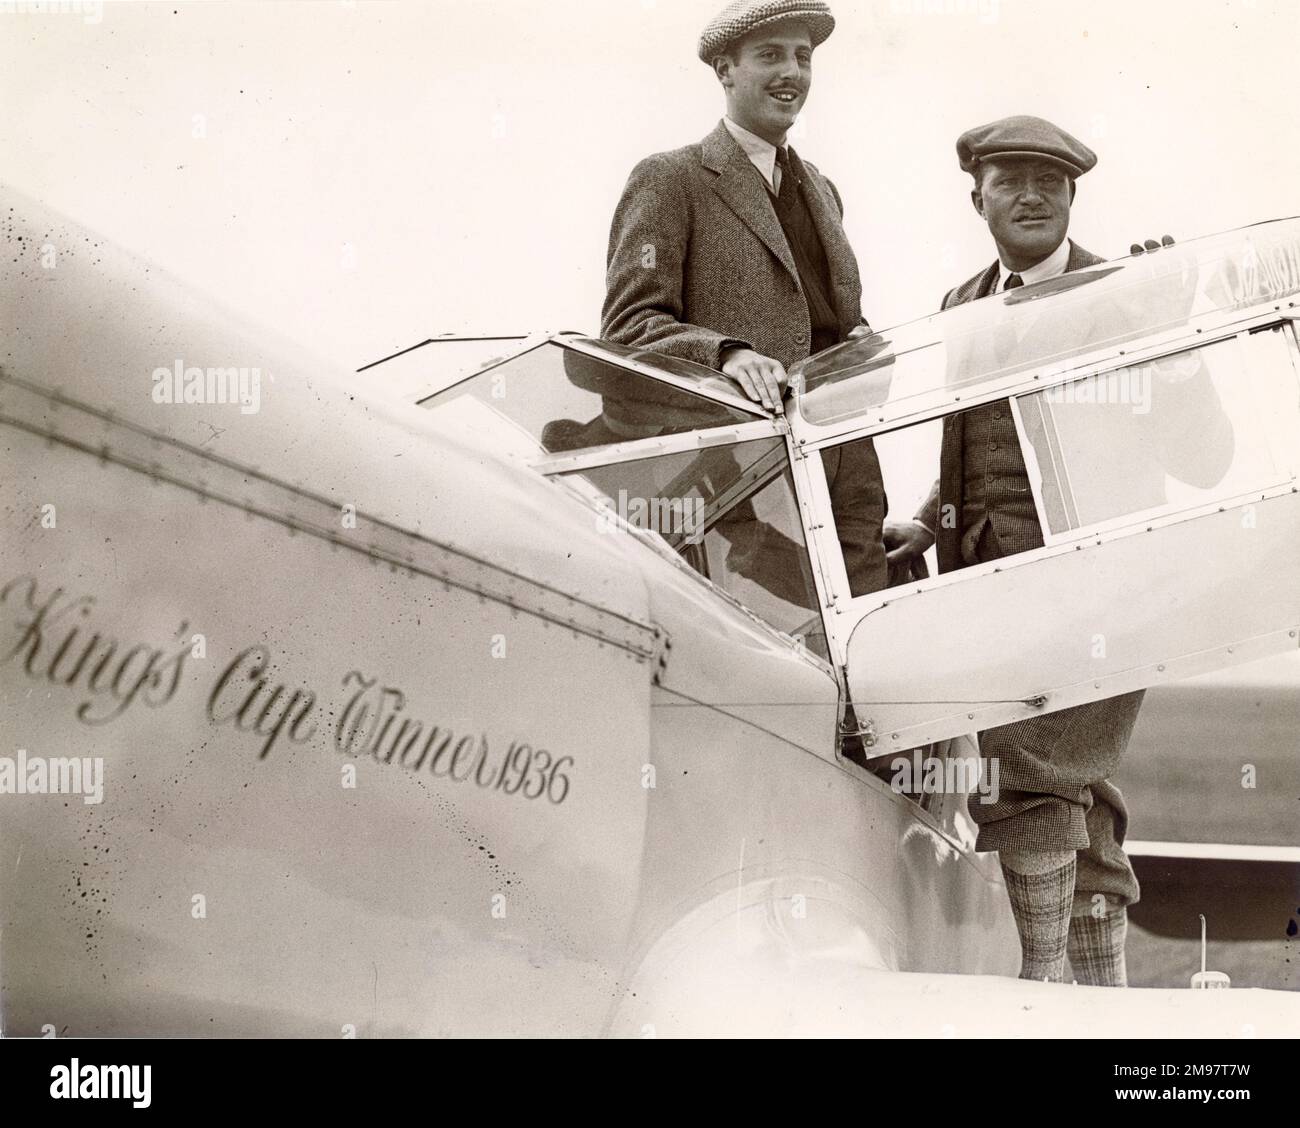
x: 731, y: 252
x: 1059, y: 823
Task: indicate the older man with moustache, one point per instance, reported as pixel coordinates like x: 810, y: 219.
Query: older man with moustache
x: 1059, y: 822
x: 731, y: 252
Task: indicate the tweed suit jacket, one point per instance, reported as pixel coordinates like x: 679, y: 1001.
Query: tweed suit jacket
x: 698, y: 261
x: 1185, y: 433
x: 948, y: 489
x: 697, y: 258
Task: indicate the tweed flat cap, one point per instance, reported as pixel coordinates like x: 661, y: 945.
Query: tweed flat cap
x: 1024, y: 136
x: 742, y: 16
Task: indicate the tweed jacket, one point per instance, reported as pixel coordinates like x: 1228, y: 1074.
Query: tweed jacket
x: 698, y: 260
x: 1185, y: 433
x: 948, y: 489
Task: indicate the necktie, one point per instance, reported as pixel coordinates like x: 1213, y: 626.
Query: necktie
x: 785, y: 177
x: 1005, y: 337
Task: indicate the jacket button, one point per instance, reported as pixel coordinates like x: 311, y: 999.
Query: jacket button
x: 801, y: 339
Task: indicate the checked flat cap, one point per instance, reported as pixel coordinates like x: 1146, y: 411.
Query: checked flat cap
x: 1024, y: 136
x: 742, y: 16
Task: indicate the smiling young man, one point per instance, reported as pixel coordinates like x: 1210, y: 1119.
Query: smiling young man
x: 732, y: 252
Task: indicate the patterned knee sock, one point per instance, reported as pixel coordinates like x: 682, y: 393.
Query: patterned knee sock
x: 1096, y: 942
x: 1041, y: 904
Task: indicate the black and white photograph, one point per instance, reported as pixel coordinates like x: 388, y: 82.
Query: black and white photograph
x: 659, y: 519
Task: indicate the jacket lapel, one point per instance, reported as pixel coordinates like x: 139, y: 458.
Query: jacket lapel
x: 981, y: 286
x: 741, y: 188
x: 988, y: 282
x: 1079, y: 258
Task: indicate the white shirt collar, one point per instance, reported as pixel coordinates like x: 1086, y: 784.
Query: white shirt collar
x: 1050, y: 267
x: 760, y: 152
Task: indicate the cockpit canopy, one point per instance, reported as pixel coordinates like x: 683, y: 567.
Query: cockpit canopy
x: 568, y: 393
x: 1051, y: 327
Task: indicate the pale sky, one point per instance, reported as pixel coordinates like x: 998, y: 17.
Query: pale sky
x: 365, y: 175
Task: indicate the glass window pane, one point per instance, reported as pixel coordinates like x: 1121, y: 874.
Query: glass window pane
x: 431, y: 366
x: 753, y: 548
x: 757, y: 554
x: 553, y: 399
x: 1182, y: 430
x: 900, y: 469
x: 675, y: 495
x: 909, y: 464
x: 705, y: 379
x: 1050, y: 324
